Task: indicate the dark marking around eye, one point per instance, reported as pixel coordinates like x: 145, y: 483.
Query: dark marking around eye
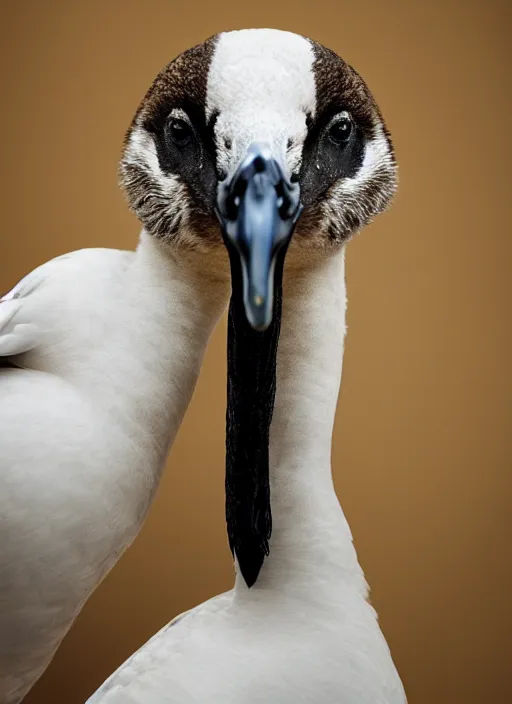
x: 289, y: 143
x: 191, y: 156
x: 182, y: 85
x: 334, y: 148
x: 324, y: 162
x: 227, y: 143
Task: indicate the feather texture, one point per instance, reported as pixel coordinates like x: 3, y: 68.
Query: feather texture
x: 101, y: 351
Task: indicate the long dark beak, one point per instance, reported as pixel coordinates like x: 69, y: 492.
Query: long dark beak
x: 258, y: 208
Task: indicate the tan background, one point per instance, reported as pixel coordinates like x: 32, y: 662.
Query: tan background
x: 422, y: 453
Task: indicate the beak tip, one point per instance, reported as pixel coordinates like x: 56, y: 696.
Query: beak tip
x: 260, y: 328
x: 258, y: 317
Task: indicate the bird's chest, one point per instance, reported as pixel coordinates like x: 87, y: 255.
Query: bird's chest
x: 116, y: 486
x: 290, y: 658
x: 78, y: 488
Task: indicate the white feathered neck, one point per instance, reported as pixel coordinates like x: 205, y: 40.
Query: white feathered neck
x: 311, y: 544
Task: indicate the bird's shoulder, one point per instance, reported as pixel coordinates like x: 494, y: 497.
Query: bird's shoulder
x: 164, y: 645
x: 84, y: 263
x: 55, y: 292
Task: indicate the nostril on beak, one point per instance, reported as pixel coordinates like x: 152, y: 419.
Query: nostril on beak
x: 259, y: 164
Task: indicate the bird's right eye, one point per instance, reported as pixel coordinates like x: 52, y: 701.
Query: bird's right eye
x: 180, y: 131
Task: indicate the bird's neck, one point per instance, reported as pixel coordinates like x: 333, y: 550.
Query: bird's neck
x: 311, y: 544
x: 173, y: 300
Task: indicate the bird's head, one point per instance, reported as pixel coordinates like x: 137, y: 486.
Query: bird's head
x: 265, y: 132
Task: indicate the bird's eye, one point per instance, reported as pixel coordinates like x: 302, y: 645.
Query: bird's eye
x: 340, y: 130
x: 179, y: 131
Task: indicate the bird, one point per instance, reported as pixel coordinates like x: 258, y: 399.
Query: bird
x: 301, y: 160
x: 100, y: 351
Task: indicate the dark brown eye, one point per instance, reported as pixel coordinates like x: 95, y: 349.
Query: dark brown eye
x: 340, y: 130
x: 179, y: 131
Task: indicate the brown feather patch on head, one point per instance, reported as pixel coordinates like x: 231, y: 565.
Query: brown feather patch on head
x: 344, y: 205
x: 167, y: 204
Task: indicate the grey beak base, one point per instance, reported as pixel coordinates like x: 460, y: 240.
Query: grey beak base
x: 258, y: 208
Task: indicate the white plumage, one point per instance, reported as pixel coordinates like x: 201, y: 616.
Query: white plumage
x: 104, y: 349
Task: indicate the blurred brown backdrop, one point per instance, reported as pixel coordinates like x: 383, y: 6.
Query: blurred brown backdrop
x: 423, y: 450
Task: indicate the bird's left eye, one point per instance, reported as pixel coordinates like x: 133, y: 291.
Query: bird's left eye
x: 179, y: 131
x: 340, y: 130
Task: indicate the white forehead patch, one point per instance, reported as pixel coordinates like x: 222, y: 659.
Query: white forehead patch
x: 261, y: 83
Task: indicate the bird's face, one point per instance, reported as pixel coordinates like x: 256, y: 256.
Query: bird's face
x: 267, y: 133
x: 273, y: 137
